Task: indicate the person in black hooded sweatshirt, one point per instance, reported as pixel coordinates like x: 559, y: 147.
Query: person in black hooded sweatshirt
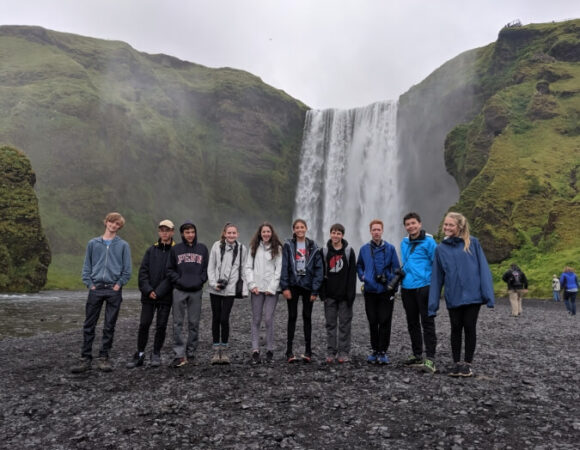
x: 187, y: 270
x: 338, y: 293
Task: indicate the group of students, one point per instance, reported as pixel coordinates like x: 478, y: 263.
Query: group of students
x: 172, y: 276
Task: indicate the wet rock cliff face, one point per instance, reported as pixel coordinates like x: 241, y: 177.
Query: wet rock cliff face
x: 24, y: 251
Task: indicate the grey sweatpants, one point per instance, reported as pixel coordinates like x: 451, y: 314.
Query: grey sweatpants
x: 337, y: 342
x: 263, y: 304
x: 186, y: 303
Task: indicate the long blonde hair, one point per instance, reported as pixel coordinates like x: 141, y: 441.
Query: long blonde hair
x: 462, y: 228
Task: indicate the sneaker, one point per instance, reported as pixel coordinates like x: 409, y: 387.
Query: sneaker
x: 179, y: 362
x: 329, y: 359
x: 466, y: 371
x: 83, y: 365
x: 413, y: 361
x: 428, y: 366
x: 306, y: 357
x: 456, y: 371
x: 225, y: 359
x: 136, y: 361
x: 104, y: 365
x: 292, y: 359
x: 217, y: 357
x: 269, y: 357
x: 256, y: 357
x: 383, y: 358
x: 342, y: 359
x: 155, y: 360
x: 372, y: 358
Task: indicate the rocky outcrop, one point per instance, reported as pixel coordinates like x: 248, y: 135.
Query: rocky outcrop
x: 24, y: 251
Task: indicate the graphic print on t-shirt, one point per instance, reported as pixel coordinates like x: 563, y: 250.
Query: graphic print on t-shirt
x: 335, y: 264
x: 301, y: 257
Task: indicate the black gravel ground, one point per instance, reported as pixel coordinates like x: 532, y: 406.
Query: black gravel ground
x: 525, y: 393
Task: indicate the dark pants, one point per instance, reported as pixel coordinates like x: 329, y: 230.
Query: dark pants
x: 570, y: 301
x: 147, y: 312
x: 415, y: 302
x: 306, y: 318
x: 463, y: 319
x: 379, y: 309
x: 221, y: 307
x: 93, y: 307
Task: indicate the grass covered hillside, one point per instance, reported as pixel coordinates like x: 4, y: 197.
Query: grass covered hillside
x: 24, y: 252
x: 517, y: 162
x: 109, y: 128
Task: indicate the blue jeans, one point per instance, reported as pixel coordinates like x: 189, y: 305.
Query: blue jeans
x: 570, y: 301
x: 93, y: 307
x: 556, y: 296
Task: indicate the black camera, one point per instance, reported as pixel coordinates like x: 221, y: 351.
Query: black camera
x: 394, y: 284
x: 222, y: 283
x: 381, y: 278
x: 301, y: 272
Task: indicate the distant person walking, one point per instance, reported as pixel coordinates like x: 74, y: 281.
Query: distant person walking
x: 187, y: 270
x: 460, y: 265
x: 556, y: 288
x: 376, y: 265
x: 263, y: 269
x: 338, y: 293
x: 301, y: 277
x: 417, y: 254
x: 569, y: 283
x: 227, y: 260
x: 517, y: 285
x: 107, y: 268
x: 156, y: 295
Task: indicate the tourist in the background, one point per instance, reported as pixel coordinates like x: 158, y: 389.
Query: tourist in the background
x: 263, y: 269
x: 376, y: 265
x: 338, y: 293
x: 569, y: 283
x: 460, y: 265
x: 556, y: 288
x: 107, y: 268
x: 517, y: 285
x: 227, y: 259
x: 156, y: 295
x: 417, y: 253
x: 301, y: 277
x: 187, y: 270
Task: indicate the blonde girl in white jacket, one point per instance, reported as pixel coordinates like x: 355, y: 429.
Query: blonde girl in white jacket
x: 225, y: 259
x: 263, y: 268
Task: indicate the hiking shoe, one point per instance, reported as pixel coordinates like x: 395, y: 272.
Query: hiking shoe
x: 136, y: 361
x: 155, y: 360
x: 83, y: 365
x: 179, y: 362
x: 373, y: 357
x: 383, y: 358
x: 413, y: 361
x: 466, y: 371
x: 292, y: 359
x: 306, y: 357
x: 428, y: 366
x: 269, y: 357
x: 342, y: 359
x: 217, y: 357
x: 104, y: 365
x: 329, y: 359
x: 256, y: 357
x: 225, y: 359
x: 456, y: 371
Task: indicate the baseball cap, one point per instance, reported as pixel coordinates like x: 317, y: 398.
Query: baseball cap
x: 166, y: 223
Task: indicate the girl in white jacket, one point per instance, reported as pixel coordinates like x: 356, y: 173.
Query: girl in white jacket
x: 263, y: 269
x: 227, y: 259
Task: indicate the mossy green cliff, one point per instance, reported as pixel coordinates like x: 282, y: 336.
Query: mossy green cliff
x: 24, y: 251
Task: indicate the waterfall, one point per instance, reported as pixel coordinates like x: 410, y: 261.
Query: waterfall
x: 348, y: 173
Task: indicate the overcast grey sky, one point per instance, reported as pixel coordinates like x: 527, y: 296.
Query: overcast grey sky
x: 326, y: 53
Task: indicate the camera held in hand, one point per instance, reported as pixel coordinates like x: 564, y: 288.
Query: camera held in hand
x: 394, y: 284
x: 381, y: 278
x: 222, y: 283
